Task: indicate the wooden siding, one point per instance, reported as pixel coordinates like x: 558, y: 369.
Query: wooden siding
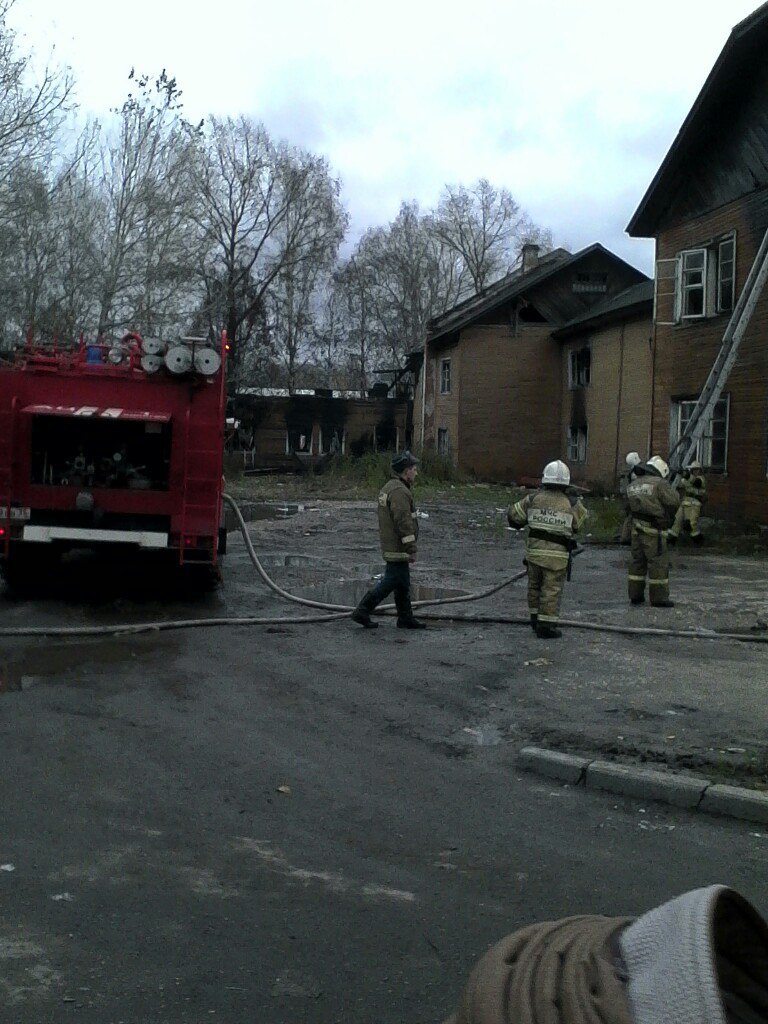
x: 615, y: 405
x: 685, y: 353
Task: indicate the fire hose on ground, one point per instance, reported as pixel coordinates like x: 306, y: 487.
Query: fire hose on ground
x: 339, y: 611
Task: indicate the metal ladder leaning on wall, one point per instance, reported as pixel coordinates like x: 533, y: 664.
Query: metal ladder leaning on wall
x: 682, y: 452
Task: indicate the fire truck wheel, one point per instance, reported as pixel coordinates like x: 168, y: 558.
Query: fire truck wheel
x: 27, y: 570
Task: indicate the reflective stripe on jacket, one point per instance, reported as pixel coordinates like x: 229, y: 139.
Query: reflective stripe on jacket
x: 548, y: 513
x: 398, y: 524
x: 652, y: 503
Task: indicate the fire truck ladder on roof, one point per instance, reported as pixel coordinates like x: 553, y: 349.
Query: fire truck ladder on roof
x: 684, y: 449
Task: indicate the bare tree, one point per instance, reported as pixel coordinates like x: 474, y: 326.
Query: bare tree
x: 265, y: 210
x: 485, y: 228
x: 147, y: 235
x: 31, y: 112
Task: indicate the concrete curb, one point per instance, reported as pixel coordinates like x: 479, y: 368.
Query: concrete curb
x: 689, y: 791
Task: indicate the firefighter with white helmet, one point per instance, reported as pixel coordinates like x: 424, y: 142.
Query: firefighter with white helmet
x: 552, y: 518
x: 632, y: 472
x: 652, y: 504
x: 693, y: 493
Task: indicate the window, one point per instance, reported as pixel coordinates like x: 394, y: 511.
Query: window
x: 577, y: 444
x: 704, y: 282
x: 579, y: 367
x: 726, y: 266
x: 298, y: 438
x: 445, y: 377
x: 693, y: 276
x: 443, y: 443
x: 593, y: 282
x: 712, y: 449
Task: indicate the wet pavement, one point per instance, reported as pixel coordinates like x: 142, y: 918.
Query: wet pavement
x: 326, y: 824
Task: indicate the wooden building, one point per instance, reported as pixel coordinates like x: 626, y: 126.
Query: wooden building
x: 707, y: 208
x: 536, y: 367
x: 279, y: 430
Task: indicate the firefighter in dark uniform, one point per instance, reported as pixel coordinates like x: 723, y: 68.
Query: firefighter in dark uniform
x: 398, y: 532
x: 552, y: 519
x: 653, y: 504
x: 693, y: 493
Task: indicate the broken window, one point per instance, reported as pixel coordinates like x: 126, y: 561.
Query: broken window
x: 577, y: 444
x: 579, y: 367
x: 298, y: 439
x: 726, y: 274
x: 385, y: 437
x: 445, y: 377
x: 443, y: 442
x: 332, y: 441
x: 712, y: 448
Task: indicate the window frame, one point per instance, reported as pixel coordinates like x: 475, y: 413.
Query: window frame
x: 576, y: 451
x: 576, y: 373
x: 445, y: 376
x: 443, y: 442
x: 686, y: 290
x: 721, y: 308
x: 704, y: 446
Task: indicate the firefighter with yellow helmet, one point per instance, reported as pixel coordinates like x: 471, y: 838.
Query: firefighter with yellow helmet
x: 552, y: 518
x: 693, y: 493
x: 652, y: 505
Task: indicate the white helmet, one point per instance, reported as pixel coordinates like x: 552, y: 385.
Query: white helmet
x: 659, y: 465
x: 632, y: 460
x: 556, y: 473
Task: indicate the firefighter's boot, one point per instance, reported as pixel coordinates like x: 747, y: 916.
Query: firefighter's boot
x: 547, y: 632
x: 362, y: 614
x: 405, y: 617
x: 534, y: 620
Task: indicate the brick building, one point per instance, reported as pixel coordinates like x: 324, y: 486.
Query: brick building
x: 539, y: 366
x: 707, y: 209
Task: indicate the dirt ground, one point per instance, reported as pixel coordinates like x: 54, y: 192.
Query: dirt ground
x: 696, y: 704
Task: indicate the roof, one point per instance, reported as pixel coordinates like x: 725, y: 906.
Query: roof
x: 500, y: 291
x: 631, y: 302
x: 729, y: 76
x: 509, y: 287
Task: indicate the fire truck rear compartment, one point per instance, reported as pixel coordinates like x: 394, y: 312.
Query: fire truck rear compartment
x: 100, y: 453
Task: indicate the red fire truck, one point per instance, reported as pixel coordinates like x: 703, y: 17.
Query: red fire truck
x: 113, y: 444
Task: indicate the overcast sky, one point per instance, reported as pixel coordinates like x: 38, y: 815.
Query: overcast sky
x: 570, y: 104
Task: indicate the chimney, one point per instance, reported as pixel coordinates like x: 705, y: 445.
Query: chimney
x: 529, y: 255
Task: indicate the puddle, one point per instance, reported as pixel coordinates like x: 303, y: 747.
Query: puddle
x: 350, y: 592
x: 257, y: 512
x: 57, y: 665
x: 280, y: 561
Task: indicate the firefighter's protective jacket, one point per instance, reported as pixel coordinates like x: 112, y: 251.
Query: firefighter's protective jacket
x: 652, y: 503
x: 398, y: 524
x: 693, y: 490
x: 552, y: 521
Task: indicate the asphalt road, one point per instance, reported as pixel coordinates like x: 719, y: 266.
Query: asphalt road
x: 309, y: 823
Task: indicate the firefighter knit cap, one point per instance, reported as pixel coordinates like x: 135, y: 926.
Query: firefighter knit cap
x: 402, y: 461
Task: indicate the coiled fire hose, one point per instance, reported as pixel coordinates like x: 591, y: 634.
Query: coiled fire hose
x: 342, y: 612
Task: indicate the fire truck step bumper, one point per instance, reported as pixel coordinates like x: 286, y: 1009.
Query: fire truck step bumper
x: 142, y: 538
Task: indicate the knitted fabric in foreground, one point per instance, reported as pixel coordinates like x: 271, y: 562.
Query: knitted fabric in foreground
x: 556, y: 972
x: 702, y: 957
